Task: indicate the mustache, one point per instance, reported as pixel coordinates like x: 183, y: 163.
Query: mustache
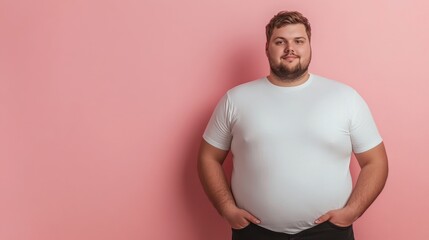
x: 289, y: 55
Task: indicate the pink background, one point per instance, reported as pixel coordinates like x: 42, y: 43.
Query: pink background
x: 103, y: 104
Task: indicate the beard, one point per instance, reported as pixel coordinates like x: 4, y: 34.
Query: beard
x: 289, y: 74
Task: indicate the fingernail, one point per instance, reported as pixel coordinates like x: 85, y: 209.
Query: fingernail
x: 317, y: 221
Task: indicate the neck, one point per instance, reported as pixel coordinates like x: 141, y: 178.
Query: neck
x: 274, y: 79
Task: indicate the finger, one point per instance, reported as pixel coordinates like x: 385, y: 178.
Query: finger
x: 240, y: 225
x: 323, y: 218
x: 252, y: 218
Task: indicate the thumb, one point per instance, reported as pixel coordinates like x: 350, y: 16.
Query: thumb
x: 323, y: 218
x: 251, y: 218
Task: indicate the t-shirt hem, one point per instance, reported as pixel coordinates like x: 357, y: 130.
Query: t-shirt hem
x: 215, y: 143
x: 369, y: 146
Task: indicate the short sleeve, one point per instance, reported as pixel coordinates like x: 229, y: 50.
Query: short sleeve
x: 363, y: 130
x: 218, y: 130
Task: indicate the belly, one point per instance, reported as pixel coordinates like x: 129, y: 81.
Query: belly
x: 289, y: 197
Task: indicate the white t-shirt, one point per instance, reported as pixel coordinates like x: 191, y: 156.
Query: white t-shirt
x: 291, y: 147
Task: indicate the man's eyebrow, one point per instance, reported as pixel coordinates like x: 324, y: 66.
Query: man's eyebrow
x: 293, y: 38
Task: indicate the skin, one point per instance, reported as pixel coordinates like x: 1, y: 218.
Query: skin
x: 289, y: 48
x: 212, y: 176
x: 371, y: 181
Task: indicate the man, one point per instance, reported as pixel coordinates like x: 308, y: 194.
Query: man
x: 291, y: 135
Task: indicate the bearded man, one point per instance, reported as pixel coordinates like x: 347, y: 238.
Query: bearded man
x: 292, y: 134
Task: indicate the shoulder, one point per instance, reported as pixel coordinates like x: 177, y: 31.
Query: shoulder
x: 331, y: 84
x: 247, y: 89
x: 334, y: 87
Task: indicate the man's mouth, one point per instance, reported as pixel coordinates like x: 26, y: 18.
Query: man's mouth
x: 289, y: 57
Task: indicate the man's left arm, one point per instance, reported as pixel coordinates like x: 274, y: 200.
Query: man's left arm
x: 371, y: 181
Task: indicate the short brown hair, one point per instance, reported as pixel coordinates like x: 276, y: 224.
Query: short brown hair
x: 284, y: 18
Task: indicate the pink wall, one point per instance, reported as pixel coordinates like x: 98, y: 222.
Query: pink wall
x: 103, y: 103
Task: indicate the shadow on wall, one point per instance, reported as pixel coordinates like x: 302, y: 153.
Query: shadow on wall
x: 248, y: 63
x: 241, y: 66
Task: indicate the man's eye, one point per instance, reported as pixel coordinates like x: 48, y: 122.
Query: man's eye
x: 279, y: 42
x: 299, y: 41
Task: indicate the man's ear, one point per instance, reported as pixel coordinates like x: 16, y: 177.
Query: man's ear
x: 266, y: 49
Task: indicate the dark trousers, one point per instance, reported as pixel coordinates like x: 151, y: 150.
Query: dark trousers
x: 323, y: 231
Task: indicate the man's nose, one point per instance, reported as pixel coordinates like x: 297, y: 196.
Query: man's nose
x: 288, y: 48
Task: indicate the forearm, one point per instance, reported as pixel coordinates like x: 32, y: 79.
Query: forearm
x: 370, y: 183
x: 213, y: 179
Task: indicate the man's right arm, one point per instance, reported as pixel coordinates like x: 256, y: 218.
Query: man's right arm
x: 212, y: 176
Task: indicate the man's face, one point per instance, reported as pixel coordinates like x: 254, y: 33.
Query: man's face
x: 289, y: 52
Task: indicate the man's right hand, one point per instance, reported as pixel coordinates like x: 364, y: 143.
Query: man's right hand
x: 212, y: 176
x: 239, y: 218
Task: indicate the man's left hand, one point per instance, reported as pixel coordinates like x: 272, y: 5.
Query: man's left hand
x: 342, y: 217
